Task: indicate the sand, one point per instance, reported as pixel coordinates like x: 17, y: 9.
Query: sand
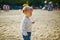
x: 46, y: 27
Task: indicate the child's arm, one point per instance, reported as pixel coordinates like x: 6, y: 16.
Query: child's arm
x: 24, y: 29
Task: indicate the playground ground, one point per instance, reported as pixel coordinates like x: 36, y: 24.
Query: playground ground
x: 46, y: 27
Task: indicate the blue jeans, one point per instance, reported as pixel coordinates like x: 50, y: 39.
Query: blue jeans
x: 27, y: 37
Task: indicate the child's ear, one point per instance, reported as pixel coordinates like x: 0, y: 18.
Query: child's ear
x: 23, y: 11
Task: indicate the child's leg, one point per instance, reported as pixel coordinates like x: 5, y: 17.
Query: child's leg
x: 27, y: 37
x: 24, y: 37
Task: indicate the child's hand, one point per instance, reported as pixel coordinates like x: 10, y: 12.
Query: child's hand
x: 33, y: 22
x: 26, y: 35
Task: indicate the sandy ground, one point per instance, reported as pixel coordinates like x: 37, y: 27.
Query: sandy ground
x: 46, y: 27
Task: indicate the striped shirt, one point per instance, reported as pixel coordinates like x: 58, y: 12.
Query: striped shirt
x: 26, y: 25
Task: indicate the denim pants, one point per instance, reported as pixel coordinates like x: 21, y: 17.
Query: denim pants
x: 27, y: 37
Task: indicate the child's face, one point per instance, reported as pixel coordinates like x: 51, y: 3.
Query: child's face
x: 29, y: 13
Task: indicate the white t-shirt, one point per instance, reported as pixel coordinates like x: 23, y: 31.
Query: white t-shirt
x: 26, y: 25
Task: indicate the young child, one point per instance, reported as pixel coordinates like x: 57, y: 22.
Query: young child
x: 27, y: 23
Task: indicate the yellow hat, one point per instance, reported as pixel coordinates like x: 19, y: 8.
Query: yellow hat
x: 25, y: 4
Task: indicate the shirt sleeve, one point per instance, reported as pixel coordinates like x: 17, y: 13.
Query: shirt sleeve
x: 24, y: 25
